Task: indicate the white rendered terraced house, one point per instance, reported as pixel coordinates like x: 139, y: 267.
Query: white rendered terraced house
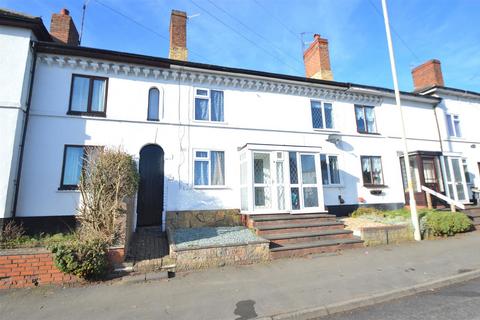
x: 216, y: 138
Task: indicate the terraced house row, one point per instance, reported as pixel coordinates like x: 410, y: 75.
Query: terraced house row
x: 215, y: 138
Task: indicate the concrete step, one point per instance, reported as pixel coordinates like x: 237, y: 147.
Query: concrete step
x: 475, y: 220
x: 472, y: 212
x: 297, y: 237
x: 298, y: 227
x: 322, y: 246
x: 271, y: 220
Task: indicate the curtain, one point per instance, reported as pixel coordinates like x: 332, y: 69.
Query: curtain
x: 98, y: 96
x: 328, y: 115
x: 80, y: 94
x: 153, y: 104
x: 366, y: 170
x: 377, y: 170
x: 217, y: 162
x: 201, y: 109
x: 359, y: 115
x: 73, y: 166
x: 317, y: 120
x: 370, y: 115
x: 217, y: 105
x: 201, y: 173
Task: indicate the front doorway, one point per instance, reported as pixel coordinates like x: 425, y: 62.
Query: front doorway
x: 150, y: 189
x: 455, y: 179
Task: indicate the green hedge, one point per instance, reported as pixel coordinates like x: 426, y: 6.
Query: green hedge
x: 444, y: 223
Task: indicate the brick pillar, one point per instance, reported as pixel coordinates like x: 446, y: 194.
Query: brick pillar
x: 178, y: 36
x: 427, y: 75
x: 63, y: 29
x: 317, y: 59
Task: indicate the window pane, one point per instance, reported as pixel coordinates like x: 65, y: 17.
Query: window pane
x: 98, y: 95
x: 366, y: 170
x: 80, y: 94
x: 370, y: 115
x: 73, y: 165
x: 450, y: 126
x: 260, y: 196
x: 359, y: 115
x: 201, y: 154
x: 377, y: 170
x: 317, y: 120
x: 324, y: 167
x: 217, y: 161
x: 153, y: 104
x: 456, y: 124
x: 309, y: 175
x: 261, y: 167
x: 467, y: 174
x: 217, y: 105
x: 201, y: 109
x: 201, y: 173
x: 333, y: 167
x: 201, y: 92
x: 292, y: 160
x: 295, y: 198
x: 310, y: 197
x: 328, y: 115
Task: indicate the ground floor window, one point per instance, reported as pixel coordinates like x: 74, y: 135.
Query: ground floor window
x: 73, y: 163
x: 330, y: 171
x: 209, y: 168
x: 372, y: 172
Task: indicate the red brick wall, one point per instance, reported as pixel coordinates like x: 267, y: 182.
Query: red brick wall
x: 427, y: 75
x: 29, y: 268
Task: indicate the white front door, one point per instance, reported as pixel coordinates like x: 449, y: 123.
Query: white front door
x: 304, y: 181
x: 455, y: 178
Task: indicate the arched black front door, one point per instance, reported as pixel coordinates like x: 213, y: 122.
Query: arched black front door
x: 150, y: 189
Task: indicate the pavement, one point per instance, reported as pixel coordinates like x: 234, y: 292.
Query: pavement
x: 282, y: 289
x: 459, y: 302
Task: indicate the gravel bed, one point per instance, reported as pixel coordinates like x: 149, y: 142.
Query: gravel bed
x: 221, y: 236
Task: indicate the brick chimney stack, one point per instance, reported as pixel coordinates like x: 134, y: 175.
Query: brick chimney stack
x: 427, y: 75
x: 178, y: 36
x: 317, y: 59
x: 63, y: 29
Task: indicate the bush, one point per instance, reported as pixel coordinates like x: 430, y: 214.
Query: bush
x: 11, y: 234
x: 87, y: 260
x: 443, y: 223
x: 366, y: 211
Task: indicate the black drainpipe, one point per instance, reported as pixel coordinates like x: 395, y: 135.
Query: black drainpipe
x: 33, y: 45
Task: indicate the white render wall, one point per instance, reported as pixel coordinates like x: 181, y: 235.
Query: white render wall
x: 250, y: 117
x: 15, y: 65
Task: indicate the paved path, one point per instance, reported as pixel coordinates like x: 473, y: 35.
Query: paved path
x: 243, y: 292
x: 459, y: 302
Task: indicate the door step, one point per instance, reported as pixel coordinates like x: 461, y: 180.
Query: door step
x: 296, y: 237
x: 298, y: 227
x: 322, y: 246
x: 271, y: 220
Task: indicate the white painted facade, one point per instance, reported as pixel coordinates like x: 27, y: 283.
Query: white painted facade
x: 261, y: 114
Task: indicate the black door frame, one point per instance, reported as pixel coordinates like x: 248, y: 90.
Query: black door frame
x: 150, y: 196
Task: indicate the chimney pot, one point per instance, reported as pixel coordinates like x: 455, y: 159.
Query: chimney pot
x: 65, y: 12
x: 317, y: 59
x: 178, y: 36
x: 427, y: 75
x: 63, y: 29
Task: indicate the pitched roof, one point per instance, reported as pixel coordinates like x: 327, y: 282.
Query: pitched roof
x: 18, y: 19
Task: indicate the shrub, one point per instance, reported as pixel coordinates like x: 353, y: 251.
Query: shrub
x: 443, y: 223
x: 11, y: 234
x: 85, y: 259
x: 366, y: 211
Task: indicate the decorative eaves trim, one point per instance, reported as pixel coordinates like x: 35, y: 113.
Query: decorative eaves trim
x: 209, y: 78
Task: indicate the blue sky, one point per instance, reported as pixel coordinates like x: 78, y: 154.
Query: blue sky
x: 266, y: 34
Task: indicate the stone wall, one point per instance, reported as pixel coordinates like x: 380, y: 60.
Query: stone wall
x: 203, y: 218
x: 374, y: 236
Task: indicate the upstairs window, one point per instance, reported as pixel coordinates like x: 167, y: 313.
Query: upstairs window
x: 365, y: 116
x: 73, y: 163
x: 88, y: 95
x: 372, y: 172
x: 322, y: 116
x: 209, y: 168
x: 209, y: 105
x: 330, y: 171
x: 153, y: 104
x: 453, y: 125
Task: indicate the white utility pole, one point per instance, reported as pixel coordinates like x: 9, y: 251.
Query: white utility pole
x: 413, y: 205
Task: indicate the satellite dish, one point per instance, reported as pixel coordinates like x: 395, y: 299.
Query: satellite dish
x: 334, y: 138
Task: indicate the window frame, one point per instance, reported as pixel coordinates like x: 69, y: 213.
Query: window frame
x: 208, y: 159
x: 372, y: 184
x: 451, y: 124
x: 365, y: 119
x: 329, y: 175
x: 89, y: 111
x: 322, y: 108
x: 85, y: 148
x: 158, y: 106
x: 208, y: 97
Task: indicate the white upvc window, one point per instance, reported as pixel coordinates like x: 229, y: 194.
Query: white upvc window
x: 322, y: 114
x: 209, y: 105
x: 209, y: 168
x: 330, y: 169
x: 453, y: 125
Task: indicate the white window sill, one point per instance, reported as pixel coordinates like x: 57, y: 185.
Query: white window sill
x: 334, y: 186
x: 326, y: 130
x: 208, y: 122
x: 211, y: 188
x: 68, y: 191
x: 453, y: 138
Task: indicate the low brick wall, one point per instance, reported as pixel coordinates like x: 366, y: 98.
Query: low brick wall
x: 20, y: 268
x: 203, y: 218
x: 374, y: 236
